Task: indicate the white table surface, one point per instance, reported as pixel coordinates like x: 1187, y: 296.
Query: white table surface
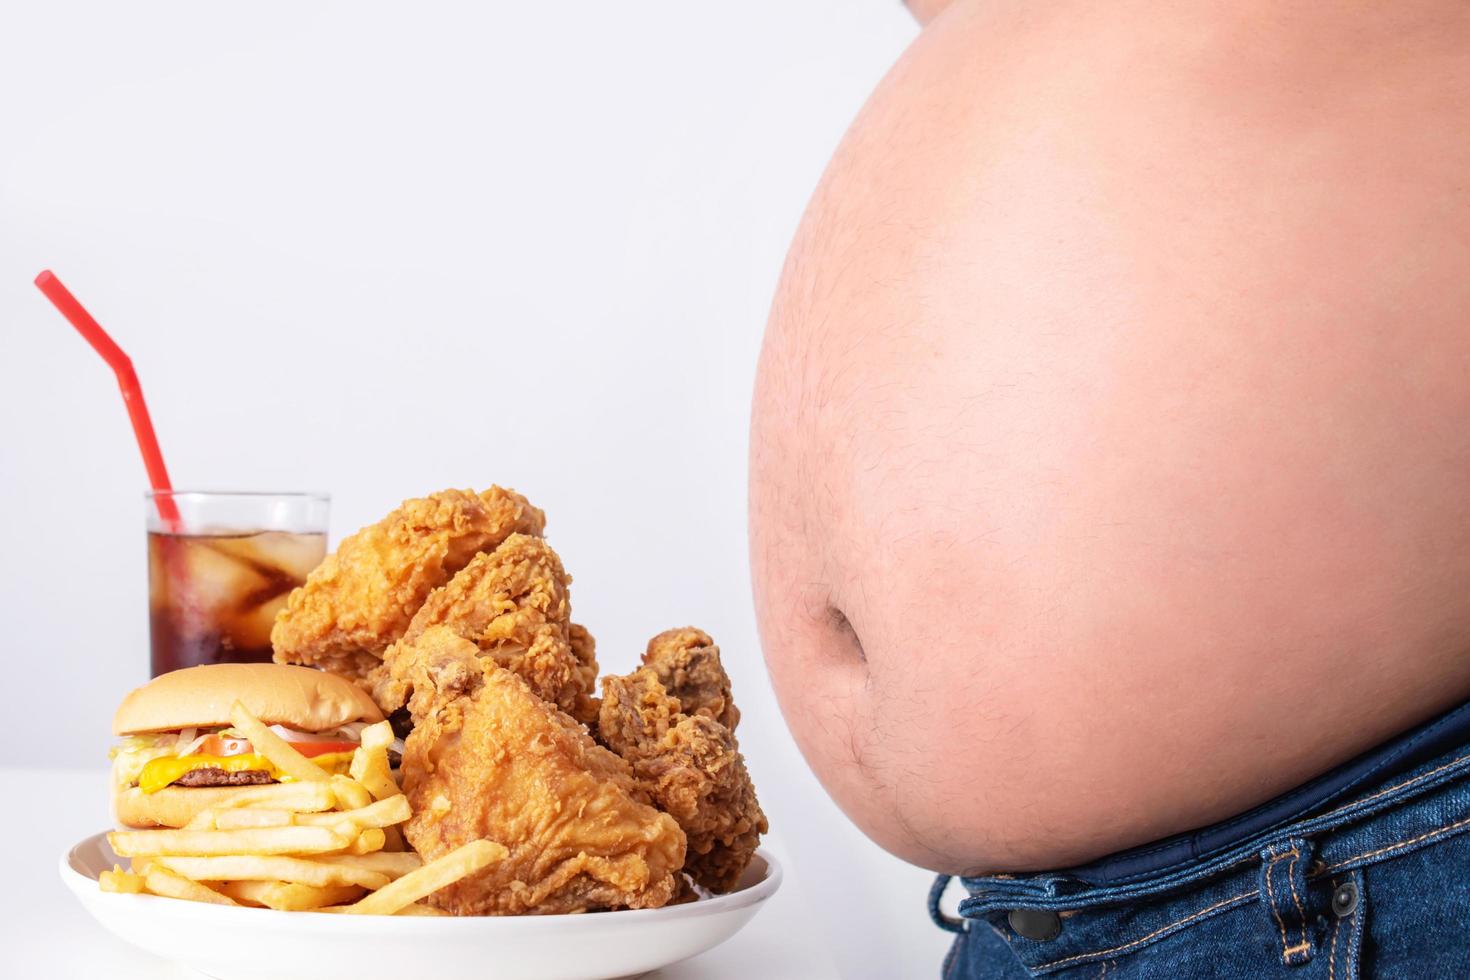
x: 44, y: 932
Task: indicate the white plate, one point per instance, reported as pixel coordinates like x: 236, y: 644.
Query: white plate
x: 261, y: 944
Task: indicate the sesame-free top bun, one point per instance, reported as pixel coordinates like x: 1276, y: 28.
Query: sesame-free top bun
x: 297, y: 697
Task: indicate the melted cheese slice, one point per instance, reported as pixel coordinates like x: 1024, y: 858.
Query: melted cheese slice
x: 166, y: 771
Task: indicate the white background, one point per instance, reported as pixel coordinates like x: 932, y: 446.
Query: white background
x: 385, y: 249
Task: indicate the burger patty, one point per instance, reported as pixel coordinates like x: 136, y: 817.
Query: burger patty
x: 218, y: 777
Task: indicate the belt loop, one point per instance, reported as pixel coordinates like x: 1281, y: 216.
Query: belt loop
x: 1287, y: 901
x: 945, y: 922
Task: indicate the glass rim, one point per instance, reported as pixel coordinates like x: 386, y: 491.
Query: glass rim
x: 274, y: 494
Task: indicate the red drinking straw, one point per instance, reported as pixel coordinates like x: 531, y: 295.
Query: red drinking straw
x: 127, y: 380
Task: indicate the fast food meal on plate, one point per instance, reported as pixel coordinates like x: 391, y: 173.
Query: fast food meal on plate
x: 428, y: 752
x: 432, y: 742
x: 182, y: 753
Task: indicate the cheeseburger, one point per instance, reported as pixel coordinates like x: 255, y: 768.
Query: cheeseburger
x: 179, y: 754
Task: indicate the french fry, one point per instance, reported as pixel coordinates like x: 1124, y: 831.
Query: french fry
x: 247, y: 892
x: 254, y: 817
x: 312, y: 797
x: 383, y: 813
x: 378, y: 736
x: 162, y: 881
x: 273, y: 747
x: 246, y: 867
x: 360, y: 840
x: 241, y: 818
x: 370, y: 762
x: 261, y: 840
x: 368, y: 841
x: 394, y: 864
x: 350, y: 794
x: 419, y: 908
x: 393, y: 839
x: 286, y: 896
x: 120, y: 881
x: 413, y: 908
x: 371, y: 770
x: 445, y: 870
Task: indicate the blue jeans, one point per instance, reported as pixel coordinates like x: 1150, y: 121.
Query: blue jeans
x: 1363, y: 872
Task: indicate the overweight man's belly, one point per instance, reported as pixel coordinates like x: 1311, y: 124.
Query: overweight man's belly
x: 1111, y: 449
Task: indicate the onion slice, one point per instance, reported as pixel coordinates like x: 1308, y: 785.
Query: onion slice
x: 191, y: 740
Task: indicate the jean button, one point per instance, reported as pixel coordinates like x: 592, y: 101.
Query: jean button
x: 1036, y: 924
x: 1344, y: 899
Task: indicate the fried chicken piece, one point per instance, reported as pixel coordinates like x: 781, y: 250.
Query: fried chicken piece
x: 512, y: 603
x: 691, y: 767
x: 584, y: 648
x: 487, y: 758
x: 687, y: 663
x: 684, y: 891
x: 362, y: 597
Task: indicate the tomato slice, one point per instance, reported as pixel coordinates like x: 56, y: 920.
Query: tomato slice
x: 227, y: 745
x: 224, y: 746
x: 313, y: 749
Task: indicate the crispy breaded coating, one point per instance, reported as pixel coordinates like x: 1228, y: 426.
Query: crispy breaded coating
x: 362, y: 597
x: 512, y: 603
x: 690, y: 765
x: 584, y: 648
x: 687, y: 663
x: 488, y: 758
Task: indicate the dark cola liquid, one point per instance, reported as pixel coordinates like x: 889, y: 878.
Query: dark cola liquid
x: 213, y: 597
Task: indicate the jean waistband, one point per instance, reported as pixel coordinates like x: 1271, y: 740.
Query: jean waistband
x: 1418, y: 763
x: 1289, y: 873
x: 1394, y: 756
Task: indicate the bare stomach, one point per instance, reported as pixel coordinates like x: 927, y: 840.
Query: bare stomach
x: 1110, y: 472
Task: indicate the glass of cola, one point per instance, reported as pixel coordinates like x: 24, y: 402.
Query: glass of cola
x: 219, y: 573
